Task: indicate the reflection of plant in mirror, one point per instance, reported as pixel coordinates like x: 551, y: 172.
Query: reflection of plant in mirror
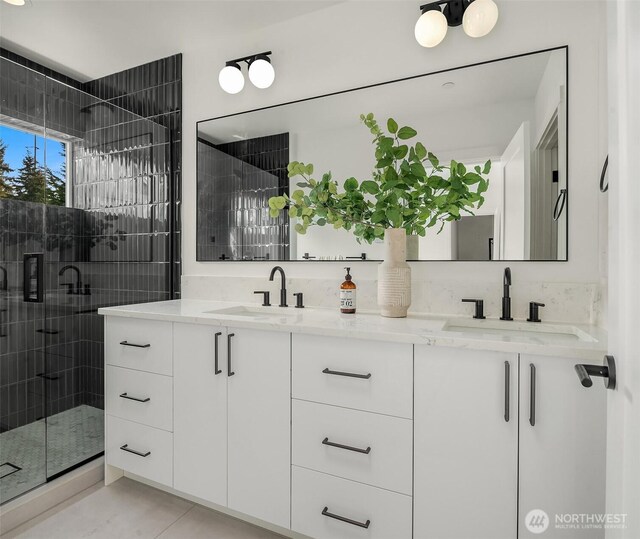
x: 400, y: 194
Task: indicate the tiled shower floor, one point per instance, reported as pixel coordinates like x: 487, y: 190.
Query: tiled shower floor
x: 71, y: 437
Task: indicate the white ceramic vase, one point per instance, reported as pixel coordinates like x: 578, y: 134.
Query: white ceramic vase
x: 394, y: 275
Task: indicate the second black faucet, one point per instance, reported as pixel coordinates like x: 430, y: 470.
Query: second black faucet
x: 506, y: 299
x: 283, y: 285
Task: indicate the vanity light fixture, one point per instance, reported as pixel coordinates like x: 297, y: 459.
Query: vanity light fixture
x: 261, y: 73
x: 16, y: 2
x: 477, y: 17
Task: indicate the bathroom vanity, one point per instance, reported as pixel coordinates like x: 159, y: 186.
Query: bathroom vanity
x: 357, y: 426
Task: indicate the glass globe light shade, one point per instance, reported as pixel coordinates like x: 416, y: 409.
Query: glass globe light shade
x: 431, y: 28
x: 479, y: 18
x: 261, y: 73
x: 231, y: 79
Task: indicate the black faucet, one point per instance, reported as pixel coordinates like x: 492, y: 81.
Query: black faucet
x: 78, y: 284
x: 506, y: 299
x: 283, y: 286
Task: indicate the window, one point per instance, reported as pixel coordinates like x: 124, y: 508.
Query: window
x: 32, y: 168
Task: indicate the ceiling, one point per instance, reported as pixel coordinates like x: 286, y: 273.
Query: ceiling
x: 495, y: 84
x: 89, y: 39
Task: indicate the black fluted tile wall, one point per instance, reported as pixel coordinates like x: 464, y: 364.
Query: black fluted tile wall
x: 122, y: 232
x: 149, y: 189
x: 235, y: 182
x: 22, y: 342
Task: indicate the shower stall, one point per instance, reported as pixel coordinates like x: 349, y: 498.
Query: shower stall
x: 85, y: 222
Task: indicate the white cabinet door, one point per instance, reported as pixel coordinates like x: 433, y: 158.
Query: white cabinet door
x: 465, y: 444
x: 200, y: 412
x: 562, y: 447
x: 259, y: 429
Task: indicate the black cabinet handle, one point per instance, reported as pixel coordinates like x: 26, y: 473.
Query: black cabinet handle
x: 229, y: 371
x: 125, y: 447
x: 127, y: 343
x: 325, y: 512
x: 347, y: 447
x: 350, y: 374
x: 507, y: 384
x: 125, y: 396
x: 532, y: 395
x: 216, y: 370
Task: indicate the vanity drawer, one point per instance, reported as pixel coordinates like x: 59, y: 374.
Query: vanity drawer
x: 138, y: 396
x: 144, y: 345
x: 156, y: 444
x: 354, y: 373
x: 312, y: 493
x: 386, y: 441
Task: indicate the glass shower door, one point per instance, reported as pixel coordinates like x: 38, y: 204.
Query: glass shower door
x: 23, y: 430
x: 74, y: 363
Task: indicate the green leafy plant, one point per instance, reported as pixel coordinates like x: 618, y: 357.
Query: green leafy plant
x: 409, y: 188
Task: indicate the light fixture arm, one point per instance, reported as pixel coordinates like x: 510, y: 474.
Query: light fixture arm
x: 453, y: 9
x: 251, y: 58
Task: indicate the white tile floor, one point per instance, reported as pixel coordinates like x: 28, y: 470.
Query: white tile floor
x: 128, y: 509
x: 45, y: 449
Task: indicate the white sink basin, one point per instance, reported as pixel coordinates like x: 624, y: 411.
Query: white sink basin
x: 561, y: 332
x: 255, y: 312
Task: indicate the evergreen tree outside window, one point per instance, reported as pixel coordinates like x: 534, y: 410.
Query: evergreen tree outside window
x: 23, y: 173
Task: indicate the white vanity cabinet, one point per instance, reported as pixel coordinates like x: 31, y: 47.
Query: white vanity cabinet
x: 138, y: 399
x: 477, y: 474
x: 352, y: 438
x: 562, y: 445
x: 232, y: 424
x: 200, y: 412
x: 466, y: 444
x: 342, y: 438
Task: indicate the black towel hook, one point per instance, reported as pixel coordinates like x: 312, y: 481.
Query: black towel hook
x: 561, y: 200
x: 604, y: 187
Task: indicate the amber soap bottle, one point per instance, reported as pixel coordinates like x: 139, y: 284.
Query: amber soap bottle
x: 348, y: 295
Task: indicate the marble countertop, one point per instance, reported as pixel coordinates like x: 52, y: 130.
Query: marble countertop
x: 550, y: 339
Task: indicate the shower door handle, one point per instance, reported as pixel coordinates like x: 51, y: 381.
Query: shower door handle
x: 33, y: 277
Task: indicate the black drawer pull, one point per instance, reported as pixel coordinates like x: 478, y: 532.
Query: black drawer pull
x: 126, y: 343
x: 125, y: 396
x: 350, y: 374
x: 325, y: 512
x: 347, y: 447
x: 125, y: 447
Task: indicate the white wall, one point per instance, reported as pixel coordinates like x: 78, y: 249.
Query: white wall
x: 468, y: 135
x: 356, y: 43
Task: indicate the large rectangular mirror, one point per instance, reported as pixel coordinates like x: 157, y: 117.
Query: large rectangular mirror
x: 511, y: 111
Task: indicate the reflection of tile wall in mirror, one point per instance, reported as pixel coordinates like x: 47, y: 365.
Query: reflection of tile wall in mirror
x: 235, y: 181
x: 472, y: 114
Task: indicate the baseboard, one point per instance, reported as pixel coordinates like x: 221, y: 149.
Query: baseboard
x: 33, y: 503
